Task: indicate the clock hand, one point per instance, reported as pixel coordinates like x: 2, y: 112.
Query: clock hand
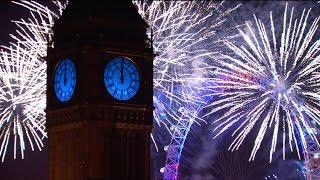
x: 65, y: 73
x: 121, y: 77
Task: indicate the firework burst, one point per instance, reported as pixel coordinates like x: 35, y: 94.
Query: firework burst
x: 21, y: 100
x: 34, y: 33
x: 184, y: 34
x: 23, y: 80
x: 181, y: 32
x: 270, y: 86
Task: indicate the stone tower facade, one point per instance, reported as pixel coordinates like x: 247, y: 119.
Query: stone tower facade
x: 94, y: 135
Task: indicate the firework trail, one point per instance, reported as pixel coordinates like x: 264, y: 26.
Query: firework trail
x: 270, y: 86
x: 34, y: 33
x: 181, y: 32
x: 23, y: 80
x: 184, y: 34
x: 232, y: 165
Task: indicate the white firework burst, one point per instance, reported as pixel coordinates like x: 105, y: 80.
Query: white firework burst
x: 22, y: 100
x: 270, y: 86
x: 181, y: 32
x: 34, y: 33
x: 23, y: 80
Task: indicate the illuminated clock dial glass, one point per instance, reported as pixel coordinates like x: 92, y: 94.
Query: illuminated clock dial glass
x: 121, y: 78
x: 65, y: 80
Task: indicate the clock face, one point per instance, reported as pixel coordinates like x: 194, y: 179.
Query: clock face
x: 121, y: 78
x: 65, y: 80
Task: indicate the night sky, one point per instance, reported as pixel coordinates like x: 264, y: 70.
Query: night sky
x: 9, y: 11
x: 34, y: 166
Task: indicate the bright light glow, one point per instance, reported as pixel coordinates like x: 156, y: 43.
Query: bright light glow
x: 270, y: 86
x: 23, y: 81
x: 183, y: 34
x: 316, y: 155
x: 280, y: 84
x: 22, y: 100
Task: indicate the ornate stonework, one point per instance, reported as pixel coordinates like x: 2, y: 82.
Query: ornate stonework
x: 93, y: 136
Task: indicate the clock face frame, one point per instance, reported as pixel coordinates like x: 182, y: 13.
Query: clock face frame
x: 122, y: 78
x: 65, y: 80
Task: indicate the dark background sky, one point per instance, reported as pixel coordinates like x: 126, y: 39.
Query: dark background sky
x: 34, y: 166
x: 203, y: 157
x: 8, y: 12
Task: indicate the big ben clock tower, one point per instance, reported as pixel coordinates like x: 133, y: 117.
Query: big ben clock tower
x: 99, y: 93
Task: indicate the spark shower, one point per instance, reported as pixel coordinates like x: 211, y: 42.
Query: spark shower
x: 269, y: 83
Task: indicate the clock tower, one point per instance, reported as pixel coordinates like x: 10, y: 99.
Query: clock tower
x: 99, y: 93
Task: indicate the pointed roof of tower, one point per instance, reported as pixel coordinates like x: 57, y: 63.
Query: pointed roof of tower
x: 107, y: 17
x: 121, y: 10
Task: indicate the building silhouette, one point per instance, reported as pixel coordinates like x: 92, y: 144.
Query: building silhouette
x: 99, y: 93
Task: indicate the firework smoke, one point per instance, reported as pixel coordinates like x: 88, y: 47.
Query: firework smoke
x: 182, y: 34
x: 270, y: 86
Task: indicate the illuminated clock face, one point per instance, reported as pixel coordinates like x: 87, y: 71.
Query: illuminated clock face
x: 65, y: 80
x: 121, y: 78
